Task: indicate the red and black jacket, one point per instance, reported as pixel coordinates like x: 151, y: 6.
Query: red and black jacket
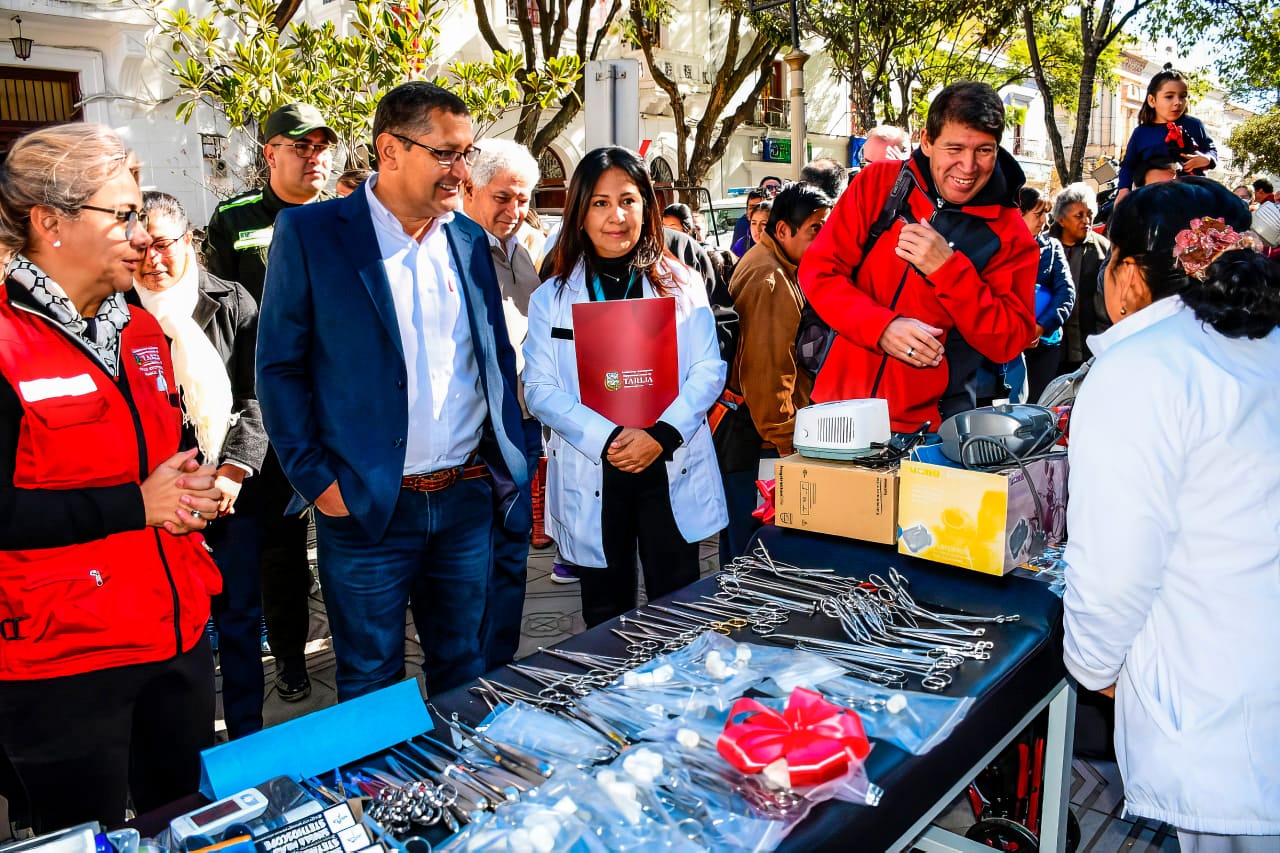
x: 83, y: 443
x: 985, y: 291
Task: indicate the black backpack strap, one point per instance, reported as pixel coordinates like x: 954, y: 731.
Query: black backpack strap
x: 815, y: 336
x: 893, y: 204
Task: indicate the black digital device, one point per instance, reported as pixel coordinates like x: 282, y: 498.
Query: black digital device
x: 998, y: 435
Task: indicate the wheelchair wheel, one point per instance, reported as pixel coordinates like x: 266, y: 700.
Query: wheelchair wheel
x: 1003, y: 834
x: 1012, y: 837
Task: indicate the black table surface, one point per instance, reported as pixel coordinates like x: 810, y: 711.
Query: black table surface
x: 1025, y: 665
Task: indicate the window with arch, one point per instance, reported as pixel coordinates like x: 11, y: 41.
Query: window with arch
x: 660, y: 171
x: 550, y: 166
x: 550, y: 190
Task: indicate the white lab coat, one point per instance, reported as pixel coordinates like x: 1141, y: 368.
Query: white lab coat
x: 574, y: 468
x: 1173, y: 585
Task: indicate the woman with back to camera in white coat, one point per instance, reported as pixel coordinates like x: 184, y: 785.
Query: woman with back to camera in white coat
x: 1173, y: 586
x: 613, y: 489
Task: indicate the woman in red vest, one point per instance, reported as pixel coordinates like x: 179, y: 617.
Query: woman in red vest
x: 106, y: 680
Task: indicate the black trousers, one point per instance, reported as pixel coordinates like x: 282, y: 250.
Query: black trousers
x: 636, y: 512
x: 286, y: 577
x: 236, y: 541
x: 82, y: 744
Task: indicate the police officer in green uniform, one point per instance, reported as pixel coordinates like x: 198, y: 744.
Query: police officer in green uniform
x: 299, y: 155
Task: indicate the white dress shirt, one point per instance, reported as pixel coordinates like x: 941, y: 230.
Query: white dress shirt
x: 1173, y: 584
x: 447, y: 407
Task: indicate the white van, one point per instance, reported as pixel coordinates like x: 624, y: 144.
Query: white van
x: 720, y: 219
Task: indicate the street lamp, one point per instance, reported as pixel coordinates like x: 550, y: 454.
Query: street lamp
x: 795, y: 64
x: 21, y: 45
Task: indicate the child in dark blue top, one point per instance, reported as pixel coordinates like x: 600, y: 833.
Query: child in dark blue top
x: 1166, y: 131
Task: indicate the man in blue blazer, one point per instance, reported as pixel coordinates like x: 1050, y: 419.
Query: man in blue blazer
x: 387, y: 384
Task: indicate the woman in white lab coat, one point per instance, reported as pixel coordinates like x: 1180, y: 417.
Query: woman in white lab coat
x: 1173, y: 597
x: 612, y: 490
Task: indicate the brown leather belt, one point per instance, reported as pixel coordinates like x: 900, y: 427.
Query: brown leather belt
x: 439, y: 480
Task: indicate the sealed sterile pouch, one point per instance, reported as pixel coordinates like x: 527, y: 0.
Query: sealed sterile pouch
x: 526, y: 828
x: 547, y: 736
x: 909, y: 719
x: 705, y: 805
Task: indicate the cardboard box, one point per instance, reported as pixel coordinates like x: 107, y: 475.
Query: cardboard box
x: 830, y: 496
x: 987, y: 522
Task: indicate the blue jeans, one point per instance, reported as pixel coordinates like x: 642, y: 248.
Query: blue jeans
x: 1015, y: 378
x: 504, y: 612
x: 237, y: 611
x: 437, y: 550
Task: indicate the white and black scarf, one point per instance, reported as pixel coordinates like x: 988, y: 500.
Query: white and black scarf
x: 101, y: 332
x: 202, y: 376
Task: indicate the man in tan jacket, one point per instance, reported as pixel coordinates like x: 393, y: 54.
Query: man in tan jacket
x: 766, y: 294
x: 767, y: 297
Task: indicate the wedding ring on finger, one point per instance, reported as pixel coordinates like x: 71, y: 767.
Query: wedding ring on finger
x: 911, y: 351
x: 195, y: 513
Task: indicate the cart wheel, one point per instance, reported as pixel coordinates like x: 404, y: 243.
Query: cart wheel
x: 1009, y: 835
x: 1003, y: 834
x: 1073, y: 832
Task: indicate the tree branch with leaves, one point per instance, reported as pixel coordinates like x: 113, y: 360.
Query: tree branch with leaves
x: 1255, y: 144
x: 237, y: 61
x: 747, y: 48
x: 556, y: 41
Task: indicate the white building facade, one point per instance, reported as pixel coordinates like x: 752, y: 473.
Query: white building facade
x: 101, y: 61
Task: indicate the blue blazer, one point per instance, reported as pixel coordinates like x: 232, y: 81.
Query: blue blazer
x: 331, y: 371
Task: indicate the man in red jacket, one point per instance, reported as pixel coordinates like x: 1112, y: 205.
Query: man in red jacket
x: 957, y: 265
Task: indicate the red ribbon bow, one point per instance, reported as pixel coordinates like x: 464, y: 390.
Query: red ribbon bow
x: 1174, y: 135
x: 765, y: 512
x: 819, y: 741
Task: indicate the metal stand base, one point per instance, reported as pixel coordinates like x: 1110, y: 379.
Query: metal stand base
x: 1059, y: 742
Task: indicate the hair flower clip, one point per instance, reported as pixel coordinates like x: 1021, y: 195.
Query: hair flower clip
x: 1198, y: 246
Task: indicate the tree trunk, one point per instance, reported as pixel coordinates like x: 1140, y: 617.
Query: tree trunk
x: 571, y: 106
x: 1042, y: 82
x: 1084, y: 111
x: 706, y: 156
x: 527, y: 125
x: 559, y: 120
x: 714, y: 133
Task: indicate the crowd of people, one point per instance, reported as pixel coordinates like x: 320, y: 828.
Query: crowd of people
x: 397, y: 364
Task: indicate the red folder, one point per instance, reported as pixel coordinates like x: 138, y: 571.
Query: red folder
x: 628, y: 363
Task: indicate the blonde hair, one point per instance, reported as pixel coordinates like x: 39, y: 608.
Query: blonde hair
x: 61, y: 167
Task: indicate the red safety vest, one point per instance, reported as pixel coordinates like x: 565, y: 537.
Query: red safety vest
x: 133, y: 597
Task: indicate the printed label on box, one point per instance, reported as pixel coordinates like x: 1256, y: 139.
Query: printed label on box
x: 333, y: 831
x: 836, y: 497
x: 986, y: 521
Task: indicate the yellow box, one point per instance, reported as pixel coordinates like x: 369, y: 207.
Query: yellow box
x: 840, y: 498
x: 977, y: 520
